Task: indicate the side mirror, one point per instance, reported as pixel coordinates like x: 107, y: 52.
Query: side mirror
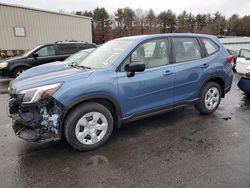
x: 35, y: 55
x: 134, y: 67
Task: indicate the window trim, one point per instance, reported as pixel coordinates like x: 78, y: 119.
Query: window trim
x: 205, y: 49
x: 118, y: 69
x: 192, y: 37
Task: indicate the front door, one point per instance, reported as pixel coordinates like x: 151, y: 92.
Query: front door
x: 46, y: 54
x: 152, y: 88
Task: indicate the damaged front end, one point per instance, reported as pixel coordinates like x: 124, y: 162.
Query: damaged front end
x: 36, y: 122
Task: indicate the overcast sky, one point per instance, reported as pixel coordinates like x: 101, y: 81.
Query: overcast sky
x: 226, y: 7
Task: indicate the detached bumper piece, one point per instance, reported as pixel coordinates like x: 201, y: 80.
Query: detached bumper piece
x: 244, y: 85
x: 38, y: 122
x: 33, y: 134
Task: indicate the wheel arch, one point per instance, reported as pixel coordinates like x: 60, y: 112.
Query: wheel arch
x: 14, y: 67
x: 106, y: 100
x: 217, y: 79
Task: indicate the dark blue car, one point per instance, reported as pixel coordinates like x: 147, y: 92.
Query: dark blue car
x: 121, y: 81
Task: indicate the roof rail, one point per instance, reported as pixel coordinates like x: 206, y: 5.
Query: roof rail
x: 60, y: 41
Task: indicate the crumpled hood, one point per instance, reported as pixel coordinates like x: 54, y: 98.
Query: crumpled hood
x: 43, y: 69
x: 51, y: 77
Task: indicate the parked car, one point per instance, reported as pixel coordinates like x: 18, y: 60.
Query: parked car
x: 244, y: 83
x: 58, y: 65
x: 124, y: 80
x: 41, y: 54
x: 243, y: 61
x: 235, y: 54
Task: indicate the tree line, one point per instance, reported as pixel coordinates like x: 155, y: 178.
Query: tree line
x: 127, y: 22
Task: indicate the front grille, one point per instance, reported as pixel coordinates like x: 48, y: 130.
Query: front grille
x: 13, y: 106
x: 15, y: 102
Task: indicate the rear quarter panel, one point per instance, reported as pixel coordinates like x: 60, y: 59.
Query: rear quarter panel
x: 219, y: 66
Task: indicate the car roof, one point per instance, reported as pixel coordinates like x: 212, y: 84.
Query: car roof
x: 68, y: 43
x: 145, y: 37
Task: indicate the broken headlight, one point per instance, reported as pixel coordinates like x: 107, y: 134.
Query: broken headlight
x: 34, y: 94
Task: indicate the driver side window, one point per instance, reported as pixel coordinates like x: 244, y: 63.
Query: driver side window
x: 153, y: 54
x: 46, y: 51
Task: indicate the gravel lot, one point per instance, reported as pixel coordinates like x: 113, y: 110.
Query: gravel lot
x: 177, y: 149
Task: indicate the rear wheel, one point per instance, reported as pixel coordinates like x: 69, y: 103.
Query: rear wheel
x: 210, y: 98
x: 17, y: 71
x: 88, y: 126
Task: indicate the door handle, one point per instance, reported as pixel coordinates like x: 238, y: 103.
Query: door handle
x: 205, y: 65
x: 166, y: 73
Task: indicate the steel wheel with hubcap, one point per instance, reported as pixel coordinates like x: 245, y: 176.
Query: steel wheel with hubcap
x: 210, y: 98
x: 91, y: 128
x: 88, y: 126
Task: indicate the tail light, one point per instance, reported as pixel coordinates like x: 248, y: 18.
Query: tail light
x: 230, y: 59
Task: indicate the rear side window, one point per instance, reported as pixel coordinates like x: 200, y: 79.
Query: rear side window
x: 64, y: 49
x: 210, y: 46
x: 85, y: 46
x: 186, y: 49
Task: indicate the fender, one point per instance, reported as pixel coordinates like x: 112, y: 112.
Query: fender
x: 91, y: 97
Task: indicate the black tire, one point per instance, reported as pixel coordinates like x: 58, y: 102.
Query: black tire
x: 201, y: 106
x: 16, y: 72
x: 75, y: 115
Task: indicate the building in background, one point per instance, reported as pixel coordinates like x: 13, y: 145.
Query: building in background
x: 22, y: 28
x: 236, y: 43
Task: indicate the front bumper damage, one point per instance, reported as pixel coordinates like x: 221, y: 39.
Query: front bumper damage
x: 39, y: 122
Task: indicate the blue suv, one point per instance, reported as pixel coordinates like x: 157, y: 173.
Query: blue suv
x: 125, y: 79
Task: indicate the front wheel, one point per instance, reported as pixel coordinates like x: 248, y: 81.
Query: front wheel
x: 210, y: 98
x: 18, y: 71
x: 88, y: 126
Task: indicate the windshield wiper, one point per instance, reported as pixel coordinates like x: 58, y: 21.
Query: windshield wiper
x: 79, y: 66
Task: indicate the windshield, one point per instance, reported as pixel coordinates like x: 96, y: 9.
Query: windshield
x: 105, y: 55
x: 78, y: 57
x: 27, y: 53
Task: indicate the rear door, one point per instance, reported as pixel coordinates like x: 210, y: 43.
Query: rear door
x: 189, y: 68
x: 152, y: 88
